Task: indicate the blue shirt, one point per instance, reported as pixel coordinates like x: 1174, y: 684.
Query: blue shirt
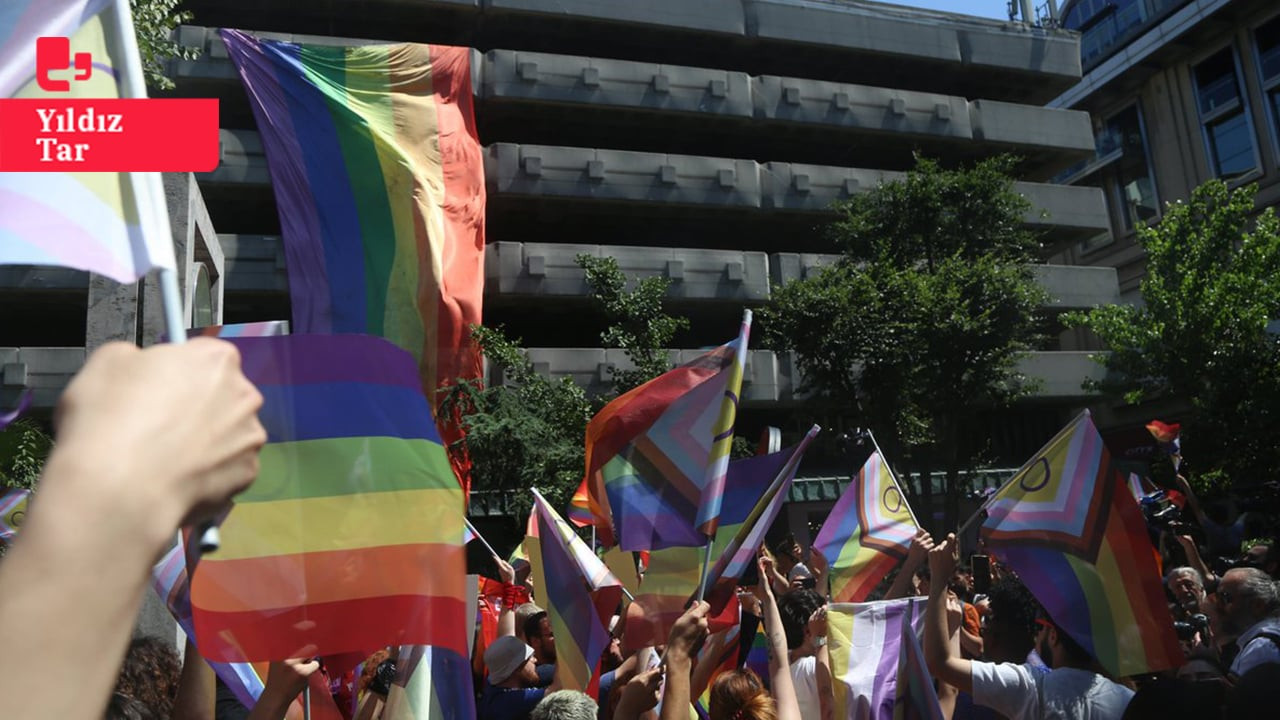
x: 498, y: 703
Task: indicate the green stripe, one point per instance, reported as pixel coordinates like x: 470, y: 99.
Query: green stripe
x: 346, y: 466
x: 356, y: 85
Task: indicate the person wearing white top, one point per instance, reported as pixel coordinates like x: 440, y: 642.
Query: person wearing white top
x: 1069, y: 692
x: 804, y: 621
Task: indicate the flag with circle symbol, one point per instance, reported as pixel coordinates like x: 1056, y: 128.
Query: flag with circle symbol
x: 1067, y: 525
x: 867, y: 533
x: 13, y: 508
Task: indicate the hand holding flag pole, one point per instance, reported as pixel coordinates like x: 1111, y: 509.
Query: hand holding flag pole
x: 149, y: 190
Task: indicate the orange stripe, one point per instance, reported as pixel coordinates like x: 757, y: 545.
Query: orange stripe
x: 283, y: 581
x: 1133, y: 556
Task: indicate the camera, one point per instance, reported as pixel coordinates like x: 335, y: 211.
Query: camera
x: 1197, y: 623
x: 1161, y: 514
x: 383, y: 677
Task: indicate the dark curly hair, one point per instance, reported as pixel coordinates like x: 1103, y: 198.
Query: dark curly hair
x: 150, y: 674
x: 1014, y: 609
x: 796, y: 607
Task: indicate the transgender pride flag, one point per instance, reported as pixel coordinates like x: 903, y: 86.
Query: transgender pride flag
x: 88, y: 221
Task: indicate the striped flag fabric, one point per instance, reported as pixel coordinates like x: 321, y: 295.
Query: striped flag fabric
x: 727, y: 646
x: 171, y: 584
x: 86, y: 221
x: 757, y: 660
x: 916, y: 698
x: 865, y: 642
x: 379, y: 181
x: 580, y: 595
x: 652, y: 453
x: 1068, y: 525
x: 580, y: 507
x: 756, y: 489
x: 24, y: 402
x: 867, y: 533
x: 355, y: 513
x: 13, y: 509
x: 431, y: 684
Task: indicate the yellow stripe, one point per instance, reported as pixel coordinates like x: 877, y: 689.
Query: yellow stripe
x: 343, y: 522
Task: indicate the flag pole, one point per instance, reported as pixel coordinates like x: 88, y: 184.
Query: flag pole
x: 148, y: 190
x: 480, y: 537
x: 894, y: 478
x: 306, y: 703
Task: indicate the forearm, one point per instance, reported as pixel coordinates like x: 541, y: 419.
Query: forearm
x: 197, y: 689
x: 901, y: 586
x: 826, y: 690
x: 271, y: 706
x: 675, y: 693
x: 937, y: 650
x: 971, y: 643
x: 784, y: 691
x: 73, y: 547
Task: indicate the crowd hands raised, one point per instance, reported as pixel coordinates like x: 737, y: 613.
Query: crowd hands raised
x: 150, y: 440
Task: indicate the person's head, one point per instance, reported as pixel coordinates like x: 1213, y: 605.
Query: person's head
x: 1009, y: 633
x: 1264, y: 555
x: 739, y: 695
x: 150, y: 674
x: 961, y: 583
x: 1057, y: 648
x: 511, y: 663
x: 1186, y: 585
x: 523, y: 613
x: 123, y: 707
x: 920, y: 581
x: 537, y: 632
x: 796, y: 607
x: 1244, y: 597
x: 565, y: 705
x: 787, y: 552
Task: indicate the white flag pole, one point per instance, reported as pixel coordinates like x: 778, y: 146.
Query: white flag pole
x: 148, y: 190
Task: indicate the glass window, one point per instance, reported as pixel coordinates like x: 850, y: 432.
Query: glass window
x: 1267, y: 43
x: 1133, y: 181
x: 1224, y: 113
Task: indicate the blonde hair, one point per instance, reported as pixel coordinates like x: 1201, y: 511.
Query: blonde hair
x: 739, y: 695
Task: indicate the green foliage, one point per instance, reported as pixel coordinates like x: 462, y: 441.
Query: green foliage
x: 637, y: 323
x: 154, y: 22
x: 1212, y: 286
x: 525, y: 432
x: 24, y: 446
x: 918, y: 328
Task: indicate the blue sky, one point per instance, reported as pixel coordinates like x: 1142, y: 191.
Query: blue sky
x: 984, y: 8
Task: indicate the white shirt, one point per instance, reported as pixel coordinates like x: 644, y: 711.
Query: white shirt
x: 1022, y: 693
x: 804, y: 675
x: 1255, y: 650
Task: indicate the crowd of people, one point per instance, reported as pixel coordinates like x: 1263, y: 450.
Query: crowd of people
x: 151, y: 440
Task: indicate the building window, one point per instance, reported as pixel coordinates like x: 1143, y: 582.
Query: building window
x: 1224, y: 113
x: 1131, y: 183
x: 1267, y: 42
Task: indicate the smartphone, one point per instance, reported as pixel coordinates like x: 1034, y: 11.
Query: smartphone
x: 981, y: 574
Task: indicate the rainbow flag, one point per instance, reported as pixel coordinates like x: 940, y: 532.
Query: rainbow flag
x: 915, y: 697
x: 867, y: 532
x: 432, y: 683
x: 87, y: 221
x: 579, y: 592
x: 379, y: 181
x: 13, y: 508
x: 865, y: 642
x: 353, y: 502
x: 652, y: 454
x: 623, y: 566
x: 1067, y: 524
x: 170, y: 582
x: 580, y: 507
x: 757, y: 660
x: 727, y: 648
x: 756, y: 490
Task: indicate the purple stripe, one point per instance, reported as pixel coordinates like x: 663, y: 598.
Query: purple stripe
x: 310, y: 359
x: 885, y: 691
x: 24, y: 402
x: 299, y: 214
x: 108, y: 70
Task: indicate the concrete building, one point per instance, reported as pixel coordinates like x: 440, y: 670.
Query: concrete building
x: 1179, y: 92
x: 699, y: 140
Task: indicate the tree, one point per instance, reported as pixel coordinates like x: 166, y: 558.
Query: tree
x: 528, y: 431
x: 154, y: 22
x: 917, y: 329
x: 1211, y: 288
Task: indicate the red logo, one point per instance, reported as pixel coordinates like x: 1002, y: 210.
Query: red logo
x: 54, y: 53
x: 102, y: 134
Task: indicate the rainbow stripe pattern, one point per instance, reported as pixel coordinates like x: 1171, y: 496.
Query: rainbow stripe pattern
x: 1070, y: 528
x: 867, y: 532
x: 727, y: 648
x: 379, y: 181
x: 86, y: 221
x: 431, y: 684
x: 579, y: 592
x: 652, y: 453
x: 355, y: 499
